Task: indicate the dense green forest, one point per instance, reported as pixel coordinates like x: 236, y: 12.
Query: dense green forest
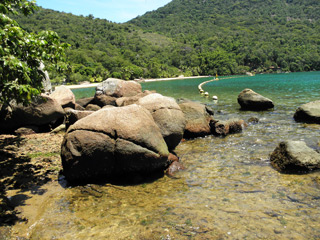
x: 189, y: 37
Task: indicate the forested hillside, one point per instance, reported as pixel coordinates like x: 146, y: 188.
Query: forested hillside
x: 189, y: 37
x: 102, y: 49
x: 258, y: 34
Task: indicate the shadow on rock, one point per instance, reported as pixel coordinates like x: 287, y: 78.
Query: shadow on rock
x: 127, y: 180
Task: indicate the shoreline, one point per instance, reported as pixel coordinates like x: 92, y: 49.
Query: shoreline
x: 78, y: 86
x: 81, y: 85
x: 169, y: 79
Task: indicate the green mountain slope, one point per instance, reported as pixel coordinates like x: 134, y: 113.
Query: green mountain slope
x: 258, y: 34
x: 101, y: 49
x: 189, y: 37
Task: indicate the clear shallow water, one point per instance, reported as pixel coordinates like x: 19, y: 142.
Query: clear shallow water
x: 228, y: 191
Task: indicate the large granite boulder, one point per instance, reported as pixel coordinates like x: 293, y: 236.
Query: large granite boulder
x: 113, y: 143
x: 198, y: 118
x: 294, y: 157
x: 125, y: 101
x: 64, y: 96
x: 250, y: 100
x: 167, y: 115
x: 308, y: 113
x: 43, y: 110
x: 118, y: 88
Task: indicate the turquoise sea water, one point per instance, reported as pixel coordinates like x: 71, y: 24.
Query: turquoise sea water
x: 286, y: 90
x: 283, y: 89
x: 84, y: 92
x: 229, y: 189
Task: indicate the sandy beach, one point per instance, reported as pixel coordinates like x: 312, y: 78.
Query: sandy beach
x: 138, y: 80
x: 82, y: 85
x: 168, y: 79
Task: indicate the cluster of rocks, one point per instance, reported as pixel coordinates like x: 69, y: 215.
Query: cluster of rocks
x: 124, y: 131
x: 121, y: 131
x: 306, y: 113
x: 289, y: 156
x: 296, y: 156
x: 133, y: 132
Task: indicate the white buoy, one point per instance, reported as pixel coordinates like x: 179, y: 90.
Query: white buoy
x: 214, y: 98
x: 201, y: 91
x: 206, y: 94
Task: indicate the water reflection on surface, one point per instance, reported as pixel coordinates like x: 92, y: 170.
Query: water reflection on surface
x: 228, y: 191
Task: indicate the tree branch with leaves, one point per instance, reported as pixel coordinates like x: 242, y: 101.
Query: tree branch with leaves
x: 21, y: 54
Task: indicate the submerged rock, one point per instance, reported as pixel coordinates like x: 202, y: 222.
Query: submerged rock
x: 250, y: 100
x: 113, y: 143
x: 167, y: 115
x: 294, y: 157
x: 197, y: 119
x: 223, y: 128
x: 174, y: 165
x: 308, y: 113
x: 253, y: 120
x: 174, y: 168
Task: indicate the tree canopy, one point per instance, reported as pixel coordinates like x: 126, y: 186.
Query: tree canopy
x: 21, y: 54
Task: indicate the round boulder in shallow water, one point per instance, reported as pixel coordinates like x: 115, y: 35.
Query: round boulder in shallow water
x: 294, y: 157
x: 250, y: 100
x: 167, y: 115
x: 113, y: 143
x: 308, y: 113
x: 223, y: 128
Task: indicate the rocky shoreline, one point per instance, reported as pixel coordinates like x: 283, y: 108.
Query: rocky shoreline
x: 28, y: 159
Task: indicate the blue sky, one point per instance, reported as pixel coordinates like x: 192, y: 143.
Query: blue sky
x: 114, y: 10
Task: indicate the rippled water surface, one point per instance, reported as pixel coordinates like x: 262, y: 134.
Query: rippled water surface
x: 228, y: 191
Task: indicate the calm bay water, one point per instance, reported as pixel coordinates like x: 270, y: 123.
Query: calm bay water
x: 228, y: 191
